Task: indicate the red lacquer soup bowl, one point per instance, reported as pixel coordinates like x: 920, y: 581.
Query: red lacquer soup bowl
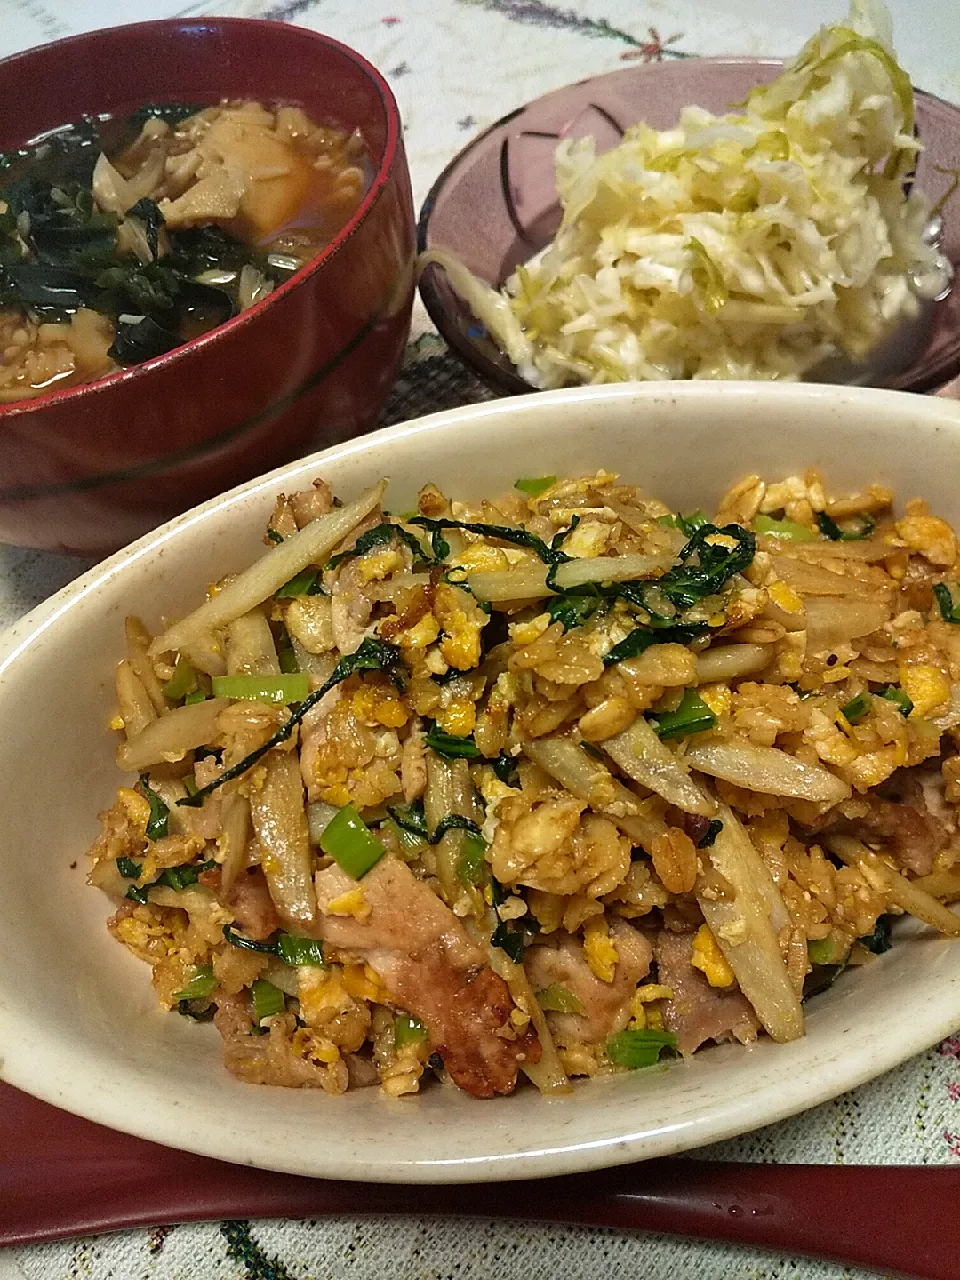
x: 90, y: 468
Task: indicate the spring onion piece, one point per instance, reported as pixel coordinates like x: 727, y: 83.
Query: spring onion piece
x: 949, y: 609
x: 830, y: 529
x: 294, y: 950
x: 286, y: 654
x: 686, y: 524
x: 279, y: 690
x: 196, y: 696
x: 827, y: 951
x: 201, y: 984
x: 267, y: 1000
x: 373, y: 655
x: 407, y: 1030
x: 473, y: 863
x: 159, y: 813
x: 182, y: 682
x: 249, y: 944
x: 533, y: 488
x: 856, y: 708
x: 449, y: 745
x: 558, y: 999
x: 783, y: 529
x: 129, y: 869
x: 634, y: 1049
x: 691, y: 716
x: 305, y: 583
x: 893, y: 693
x: 351, y: 843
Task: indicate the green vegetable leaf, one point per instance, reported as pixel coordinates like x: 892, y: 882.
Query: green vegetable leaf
x: 379, y: 536
x: 691, y: 716
x: 159, y: 813
x: 574, y: 609
x: 949, y: 609
x: 505, y: 767
x: 305, y: 583
x: 706, y: 567
x: 880, y: 940
x: 239, y: 940
x: 129, y: 869
x: 558, y: 999
x: 714, y: 827
x: 641, y: 638
x: 830, y: 529
x: 533, y: 488
x: 636, y: 1049
x: 351, y: 843
x: 449, y: 745
x: 504, y: 533
x: 411, y: 819
x: 274, y: 537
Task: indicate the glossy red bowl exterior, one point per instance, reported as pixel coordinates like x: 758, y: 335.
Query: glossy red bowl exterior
x: 91, y: 468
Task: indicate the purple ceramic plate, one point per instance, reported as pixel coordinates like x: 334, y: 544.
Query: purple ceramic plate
x: 495, y: 204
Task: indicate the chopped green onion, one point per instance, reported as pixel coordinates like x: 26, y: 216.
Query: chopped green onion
x: 634, y: 1049
x: 407, y: 841
x: 407, y: 1030
x: 197, y: 696
x: 893, y: 693
x: 182, y: 682
x: 201, y: 985
x: 830, y: 529
x: 856, y: 708
x: 450, y: 746
x: 276, y: 689
x: 949, y: 610
x: 558, y: 999
x: 351, y: 843
x: 691, y: 716
x: 190, y: 784
x: 159, y: 813
x: 267, y: 1000
x: 535, y: 487
x: 880, y: 940
x: 305, y: 583
x: 129, y: 869
x: 827, y: 951
x: 183, y: 876
x: 472, y: 868
x: 294, y: 950
x: 783, y: 529
x: 686, y: 524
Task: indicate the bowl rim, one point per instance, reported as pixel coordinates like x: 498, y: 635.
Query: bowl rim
x: 506, y: 380
x: 379, y: 182
x: 763, y: 1104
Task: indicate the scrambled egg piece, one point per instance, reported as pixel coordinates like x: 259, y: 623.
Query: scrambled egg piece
x: 710, y: 960
x: 598, y: 947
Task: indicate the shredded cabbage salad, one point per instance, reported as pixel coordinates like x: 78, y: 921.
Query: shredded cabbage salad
x: 750, y: 245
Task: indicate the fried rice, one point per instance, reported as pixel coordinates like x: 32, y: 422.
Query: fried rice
x: 559, y: 783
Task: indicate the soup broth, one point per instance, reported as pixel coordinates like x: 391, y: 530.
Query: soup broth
x: 124, y: 237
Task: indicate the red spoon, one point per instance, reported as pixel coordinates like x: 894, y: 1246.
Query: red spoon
x: 63, y: 1176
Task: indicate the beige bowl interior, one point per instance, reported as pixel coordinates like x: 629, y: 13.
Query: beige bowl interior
x: 79, y: 1026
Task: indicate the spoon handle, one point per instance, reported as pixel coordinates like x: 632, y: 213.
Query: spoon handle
x: 62, y: 1176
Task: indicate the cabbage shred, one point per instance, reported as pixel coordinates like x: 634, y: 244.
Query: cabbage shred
x: 751, y: 245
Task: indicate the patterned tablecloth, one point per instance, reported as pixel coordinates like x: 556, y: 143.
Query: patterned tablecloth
x: 456, y: 66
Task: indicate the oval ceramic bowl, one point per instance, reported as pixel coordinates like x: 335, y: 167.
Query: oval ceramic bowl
x: 495, y: 205
x: 79, y: 1023
x: 90, y: 468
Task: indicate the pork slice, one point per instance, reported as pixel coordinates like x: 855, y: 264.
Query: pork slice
x: 431, y: 967
x: 606, y: 1004
x: 253, y: 910
x: 699, y: 1012
x: 898, y: 816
